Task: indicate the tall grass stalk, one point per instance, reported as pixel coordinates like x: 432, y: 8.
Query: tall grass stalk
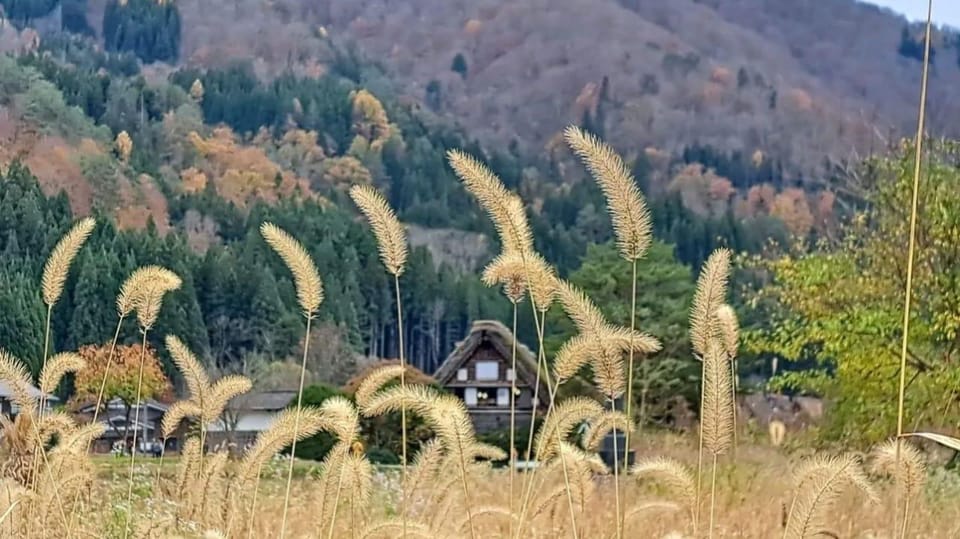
x: 46, y: 354
x: 296, y: 428
x: 253, y: 503
x: 403, y: 409
x: 616, y: 473
x: 336, y: 503
x: 513, y: 412
x: 908, y: 292
x: 309, y: 289
x: 643, y: 393
x: 552, y: 389
x: 136, y: 421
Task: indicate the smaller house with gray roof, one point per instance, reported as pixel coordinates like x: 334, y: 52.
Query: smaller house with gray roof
x: 247, y: 416
x: 10, y: 409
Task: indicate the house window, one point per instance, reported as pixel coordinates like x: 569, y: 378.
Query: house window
x: 503, y: 396
x: 488, y: 370
x: 510, y: 375
x: 470, y: 396
x: 461, y: 375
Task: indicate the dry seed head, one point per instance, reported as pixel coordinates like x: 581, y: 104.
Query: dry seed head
x: 504, y: 208
x: 628, y: 210
x: 671, y: 473
x: 609, y: 372
x: 373, y: 382
x: 15, y: 375
x: 193, y: 372
x: 219, y: 395
x: 912, y: 472
x: 600, y: 426
x: 58, y: 265
x: 711, y: 289
x: 136, y: 285
x: 508, y: 269
x: 717, y: 401
x: 574, y: 354
x: 581, y: 309
x: 147, y: 305
x: 56, y: 367
x: 566, y: 415
x: 820, y: 482
x: 729, y: 329
x: 542, y: 281
x: 391, y: 239
x: 305, y: 275
x: 778, y: 432
x: 177, y: 412
x: 281, y: 433
x: 623, y: 339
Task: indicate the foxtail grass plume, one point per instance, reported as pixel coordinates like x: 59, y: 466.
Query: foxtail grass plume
x: 375, y: 381
x: 135, y: 287
x: 504, y: 208
x: 15, y: 375
x: 600, y: 426
x: 305, y: 275
x: 189, y: 366
x: 566, y: 415
x: 507, y: 269
x: 717, y: 401
x: 711, y: 289
x: 672, y: 474
x: 280, y: 434
x: 820, y: 483
x: 391, y: 238
x: 628, y: 210
x: 147, y: 304
x: 58, y: 264
x: 912, y: 472
x: 729, y: 330
x: 777, y: 432
x: 541, y: 281
x: 580, y: 308
x: 176, y: 413
x: 56, y: 367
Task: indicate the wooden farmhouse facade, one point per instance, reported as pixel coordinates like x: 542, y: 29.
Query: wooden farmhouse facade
x: 480, y: 372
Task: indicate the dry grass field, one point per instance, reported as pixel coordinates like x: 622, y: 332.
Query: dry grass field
x: 715, y: 481
x: 755, y: 485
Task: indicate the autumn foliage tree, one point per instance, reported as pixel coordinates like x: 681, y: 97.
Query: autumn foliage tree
x: 121, y: 379
x: 834, y: 311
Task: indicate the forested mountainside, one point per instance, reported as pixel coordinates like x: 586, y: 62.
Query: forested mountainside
x: 185, y: 124
x: 799, y: 81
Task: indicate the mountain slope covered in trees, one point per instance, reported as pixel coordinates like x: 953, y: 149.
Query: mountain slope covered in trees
x: 800, y: 81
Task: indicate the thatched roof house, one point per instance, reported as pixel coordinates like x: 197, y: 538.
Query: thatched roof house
x: 480, y: 371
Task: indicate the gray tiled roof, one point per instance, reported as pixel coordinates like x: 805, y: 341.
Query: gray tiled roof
x: 267, y: 400
x: 6, y: 392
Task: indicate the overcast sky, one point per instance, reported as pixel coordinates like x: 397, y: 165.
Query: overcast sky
x: 944, y: 11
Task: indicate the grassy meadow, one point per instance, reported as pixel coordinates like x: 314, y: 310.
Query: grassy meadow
x: 715, y: 481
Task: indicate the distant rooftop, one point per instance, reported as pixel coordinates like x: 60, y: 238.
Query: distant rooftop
x: 6, y: 392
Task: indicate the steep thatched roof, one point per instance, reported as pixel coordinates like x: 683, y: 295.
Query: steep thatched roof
x: 501, y: 338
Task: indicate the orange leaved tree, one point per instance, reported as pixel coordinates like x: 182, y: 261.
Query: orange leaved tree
x: 121, y: 381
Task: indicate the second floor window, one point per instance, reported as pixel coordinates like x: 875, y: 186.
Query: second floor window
x: 487, y: 370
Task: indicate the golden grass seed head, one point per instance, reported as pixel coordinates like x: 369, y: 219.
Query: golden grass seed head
x: 58, y: 264
x: 391, y: 238
x: 628, y: 210
x: 306, y: 278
